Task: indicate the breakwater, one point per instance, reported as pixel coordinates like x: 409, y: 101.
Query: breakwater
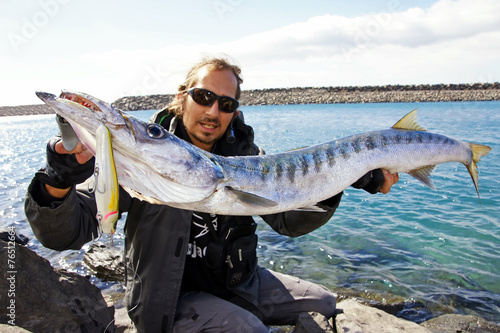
x: 311, y: 95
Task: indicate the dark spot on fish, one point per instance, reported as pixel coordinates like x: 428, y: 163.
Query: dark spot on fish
x: 418, y: 137
x: 356, y: 145
x: 290, y: 171
x: 330, y: 156
x: 303, y: 164
x: 265, y: 168
x: 279, y: 170
x: 343, y: 150
x: 448, y: 141
x: 317, y: 160
x: 369, y: 143
x: 385, y: 141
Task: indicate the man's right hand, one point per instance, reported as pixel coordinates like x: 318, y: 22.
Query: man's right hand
x: 65, y: 168
x: 82, y: 154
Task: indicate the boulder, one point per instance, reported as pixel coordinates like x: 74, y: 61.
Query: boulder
x: 107, y: 262
x: 313, y: 322
x: 359, y: 318
x: 40, y: 298
x: 451, y: 323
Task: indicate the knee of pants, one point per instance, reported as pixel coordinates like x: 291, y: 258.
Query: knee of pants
x: 326, y: 303
x: 242, y: 321
x: 222, y: 317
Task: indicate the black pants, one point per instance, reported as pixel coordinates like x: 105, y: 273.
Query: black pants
x: 281, y: 299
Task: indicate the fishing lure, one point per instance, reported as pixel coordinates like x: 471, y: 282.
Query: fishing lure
x: 106, y: 182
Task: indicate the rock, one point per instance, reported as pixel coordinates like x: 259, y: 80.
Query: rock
x: 358, y: 318
x: 40, y: 298
x: 313, y: 322
x: 10, y: 234
x: 123, y: 322
x: 107, y: 262
x: 12, y: 329
x: 451, y: 323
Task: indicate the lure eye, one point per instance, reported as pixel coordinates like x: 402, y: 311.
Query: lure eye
x: 155, y: 131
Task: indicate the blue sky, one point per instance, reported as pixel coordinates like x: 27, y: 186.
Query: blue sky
x: 115, y: 48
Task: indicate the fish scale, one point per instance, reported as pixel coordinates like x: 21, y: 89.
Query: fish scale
x: 154, y: 165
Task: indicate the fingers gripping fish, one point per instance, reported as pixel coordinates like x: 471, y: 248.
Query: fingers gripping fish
x: 154, y: 165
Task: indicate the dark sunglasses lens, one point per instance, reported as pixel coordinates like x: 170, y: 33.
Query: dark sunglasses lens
x: 203, y: 97
x: 227, y: 104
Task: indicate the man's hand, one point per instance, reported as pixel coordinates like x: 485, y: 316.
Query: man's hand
x: 390, y: 179
x: 378, y: 180
x: 65, y: 168
x: 82, y: 154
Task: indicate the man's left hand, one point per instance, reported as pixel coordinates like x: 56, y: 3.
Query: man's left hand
x: 390, y: 179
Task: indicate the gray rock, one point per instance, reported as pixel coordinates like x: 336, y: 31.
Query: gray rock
x: 107, y: 262
x: 11, y: 329
x: 40, y: 298
x: 313, y: 322
x: 123, y: 322
x: 451, y: 323
x: 358, y: 318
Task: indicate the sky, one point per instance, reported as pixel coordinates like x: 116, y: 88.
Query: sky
x: 112, y: 48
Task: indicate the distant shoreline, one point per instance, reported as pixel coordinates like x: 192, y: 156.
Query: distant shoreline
x: 309, y: 95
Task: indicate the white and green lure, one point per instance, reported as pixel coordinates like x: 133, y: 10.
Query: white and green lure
x: 106, y: 182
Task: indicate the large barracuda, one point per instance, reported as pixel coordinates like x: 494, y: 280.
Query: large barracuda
x: 158, y: 167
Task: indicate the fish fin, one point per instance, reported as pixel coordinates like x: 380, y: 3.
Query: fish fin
x: 252, y: 199
x: 423, y: 175
x: 478, y: 151
x: 409, y: 122
x: 310, y: 209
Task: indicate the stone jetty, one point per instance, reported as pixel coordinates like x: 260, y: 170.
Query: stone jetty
x: 310, y: 95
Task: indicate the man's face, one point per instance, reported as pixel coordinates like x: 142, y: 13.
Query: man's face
x: 205, y: 125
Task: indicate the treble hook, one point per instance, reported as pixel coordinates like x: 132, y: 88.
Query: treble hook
x: 96, y: 182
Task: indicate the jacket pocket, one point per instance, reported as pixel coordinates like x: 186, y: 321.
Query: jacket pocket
x: 241, y: 259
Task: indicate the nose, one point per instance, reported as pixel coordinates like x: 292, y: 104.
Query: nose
x: 213, y: 110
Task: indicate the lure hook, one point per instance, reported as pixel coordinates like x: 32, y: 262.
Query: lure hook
x: 96, y: 182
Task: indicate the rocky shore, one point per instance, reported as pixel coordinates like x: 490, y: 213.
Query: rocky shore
x: 40, y: 298
x: 323, y: 95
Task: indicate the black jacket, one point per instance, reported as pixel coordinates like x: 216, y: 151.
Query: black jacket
x: 156, y: 235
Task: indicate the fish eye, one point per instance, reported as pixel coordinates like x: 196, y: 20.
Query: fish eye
x: 155, y: 131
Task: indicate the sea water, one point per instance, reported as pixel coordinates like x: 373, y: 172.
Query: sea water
x: 438, y: 251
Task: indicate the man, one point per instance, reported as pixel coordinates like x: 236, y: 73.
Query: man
x: 180, y: 276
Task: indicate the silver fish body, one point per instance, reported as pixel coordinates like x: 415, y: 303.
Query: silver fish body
x: 160, y: 168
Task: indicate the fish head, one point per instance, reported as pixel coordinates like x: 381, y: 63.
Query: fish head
x: 140, y: 148
x: 84, y: 113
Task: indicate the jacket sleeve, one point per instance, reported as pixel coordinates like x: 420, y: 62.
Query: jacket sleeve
x: 298, y: 223
x: 63, y: 224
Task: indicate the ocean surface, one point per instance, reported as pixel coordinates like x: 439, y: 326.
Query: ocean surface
x: 438, y: 251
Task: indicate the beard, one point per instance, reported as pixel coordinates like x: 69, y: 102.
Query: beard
x: 209, y: 138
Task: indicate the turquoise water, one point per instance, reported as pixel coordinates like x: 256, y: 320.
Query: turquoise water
x: 438, y: 250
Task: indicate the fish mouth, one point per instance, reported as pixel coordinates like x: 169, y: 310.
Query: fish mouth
x: 70, y: 96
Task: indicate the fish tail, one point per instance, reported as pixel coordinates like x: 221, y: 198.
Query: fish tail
x: 478, y: 151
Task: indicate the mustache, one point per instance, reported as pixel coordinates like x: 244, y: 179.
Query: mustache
x: 214, y: 121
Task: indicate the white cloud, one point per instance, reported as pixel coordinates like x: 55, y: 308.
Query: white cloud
x: 450, y: 42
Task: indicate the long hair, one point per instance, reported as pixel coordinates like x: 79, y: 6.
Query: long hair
x: 215, y: 64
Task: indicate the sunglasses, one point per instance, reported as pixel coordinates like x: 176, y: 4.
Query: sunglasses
x: 207, y: 98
